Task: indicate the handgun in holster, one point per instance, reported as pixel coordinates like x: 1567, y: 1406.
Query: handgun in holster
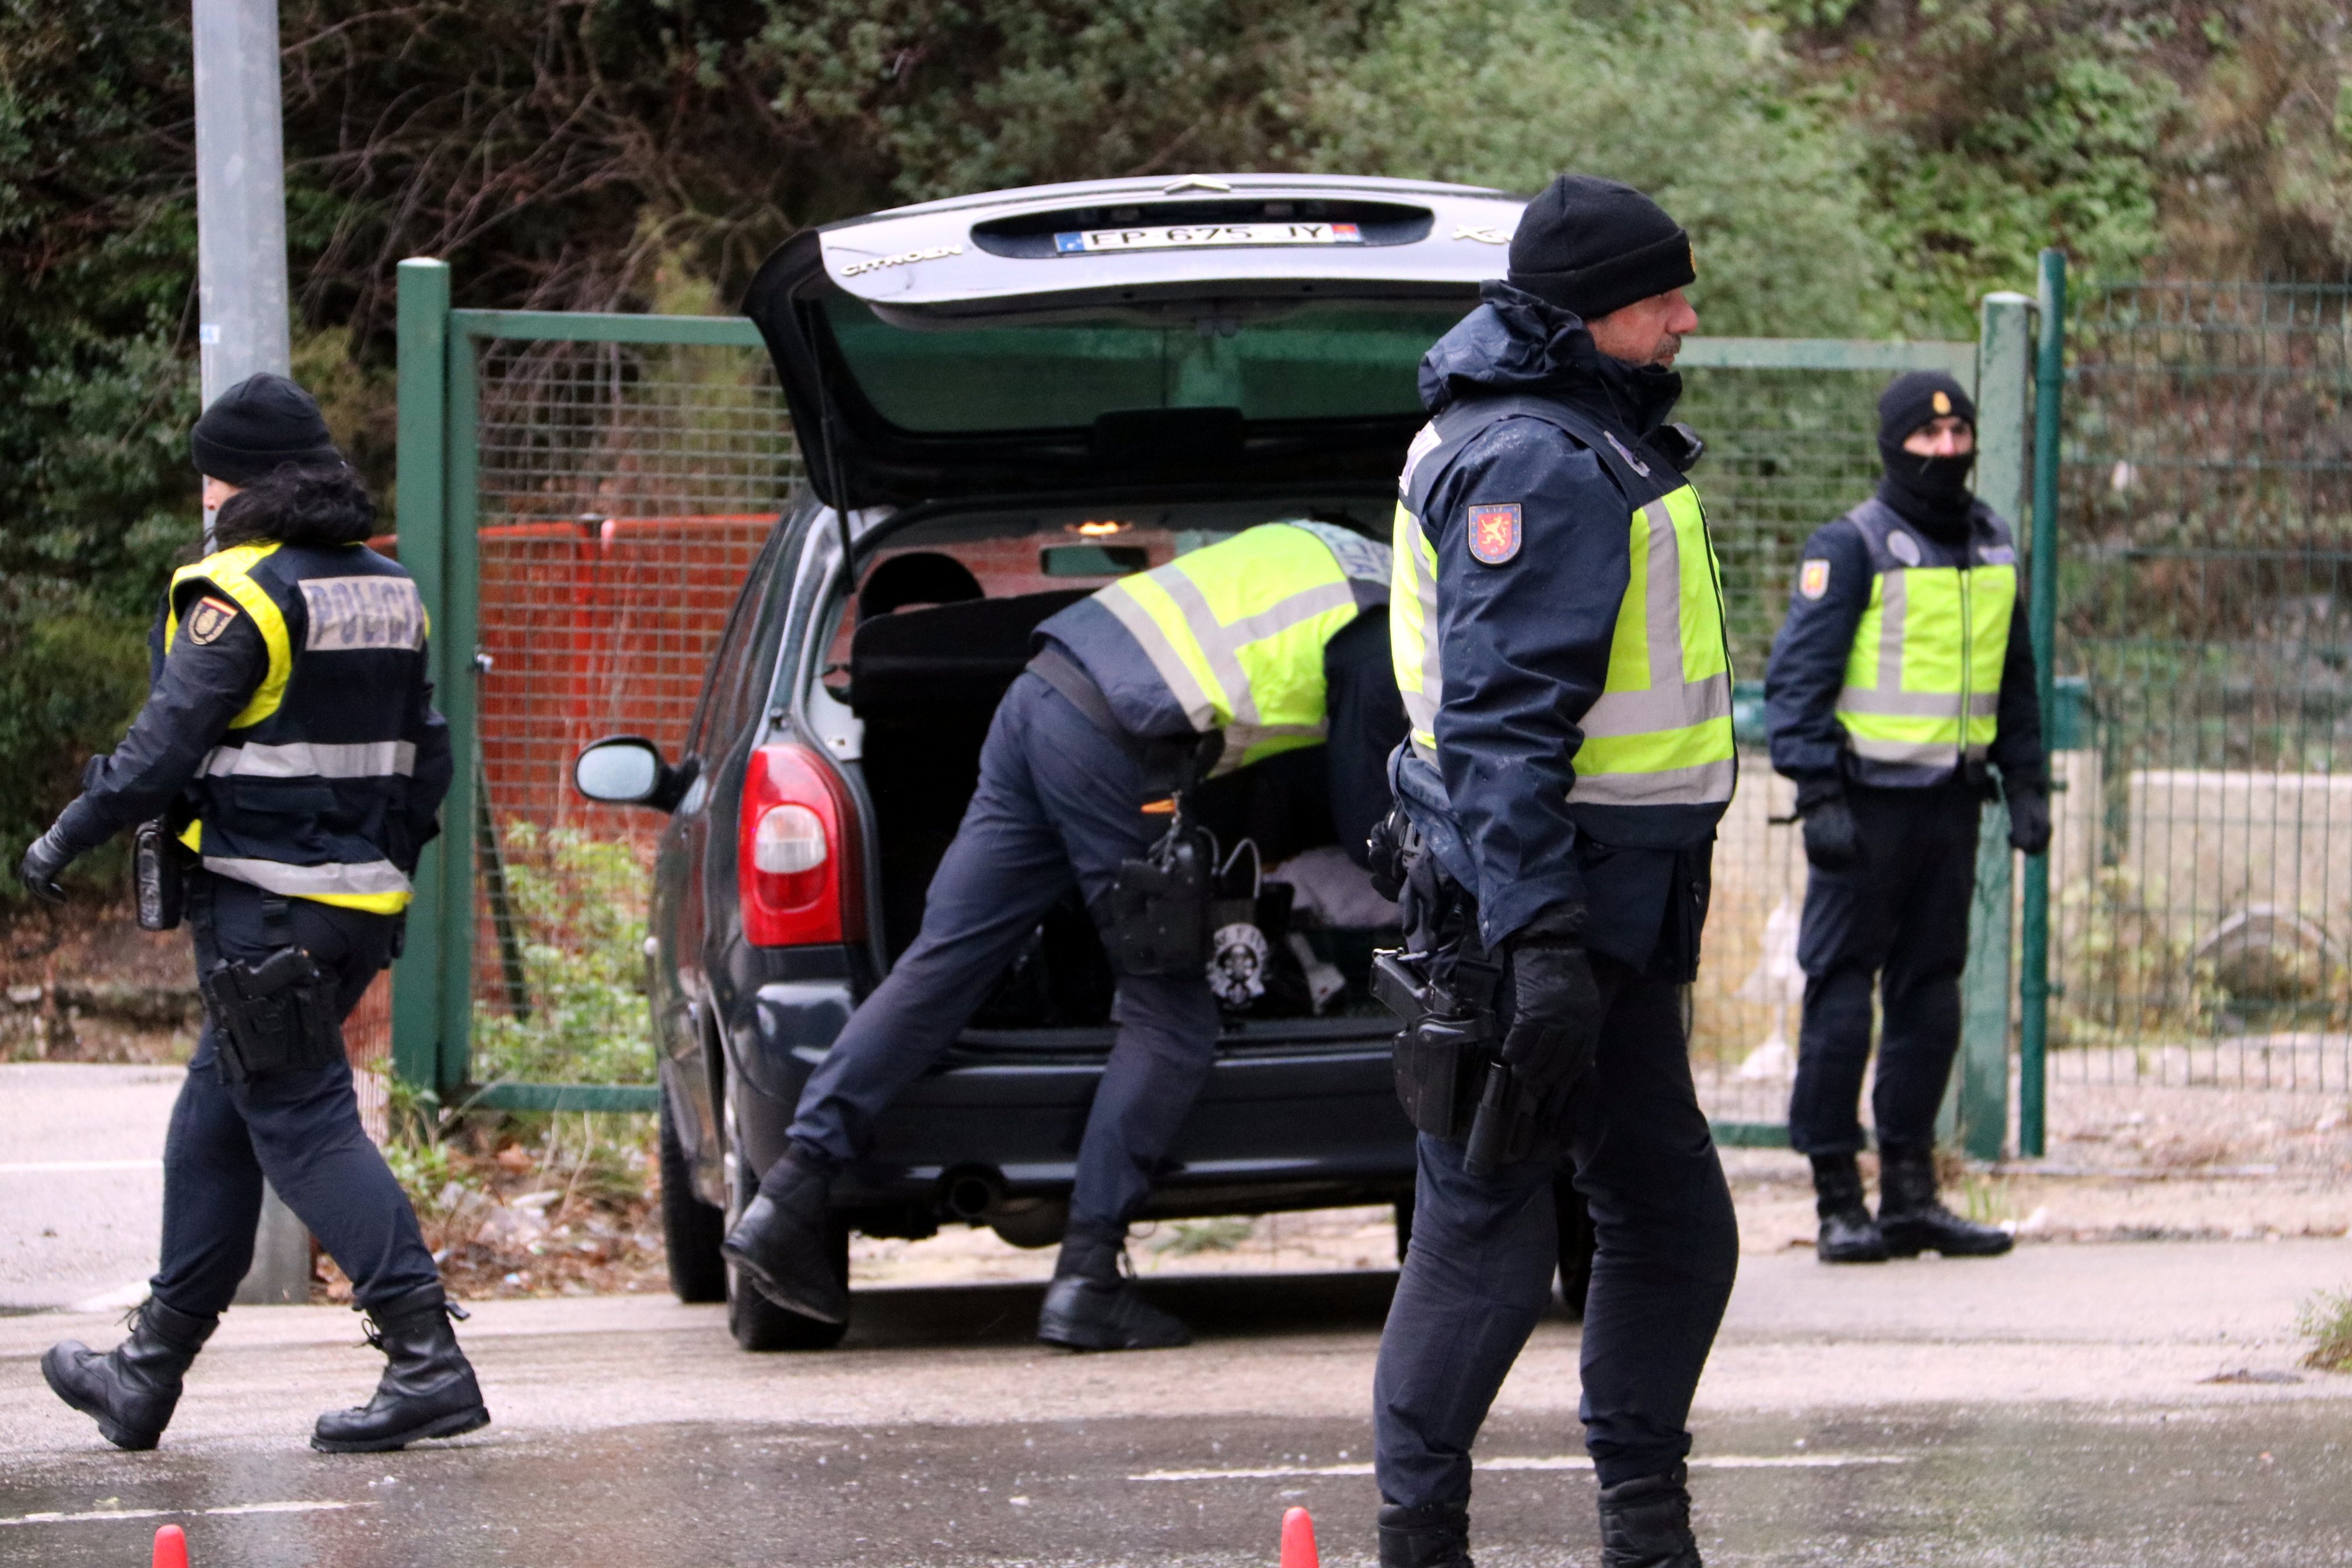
x: 1154, y: 918
x: 1449, y: 1079
x: 275, y: 1015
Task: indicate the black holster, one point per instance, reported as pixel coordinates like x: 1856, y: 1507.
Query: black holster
x: 272, y: 1016
x: 1154, y: 919
x: 158, y: 868
x: 1450, y: 1078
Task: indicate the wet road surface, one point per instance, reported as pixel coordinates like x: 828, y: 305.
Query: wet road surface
x: 2055, y: 1408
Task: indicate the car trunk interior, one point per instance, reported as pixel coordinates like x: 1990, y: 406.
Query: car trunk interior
x: 941, y: 625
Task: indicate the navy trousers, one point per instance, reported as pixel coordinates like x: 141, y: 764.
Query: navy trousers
x: 1058, y: 801
x: 1477, y: 1276
x: 301, y: 1130
x: 1897, y: 922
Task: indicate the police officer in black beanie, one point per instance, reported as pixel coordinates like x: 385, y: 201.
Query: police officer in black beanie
x: 288, y: 767
x: 1563, y: 805
x: 1902, y: 677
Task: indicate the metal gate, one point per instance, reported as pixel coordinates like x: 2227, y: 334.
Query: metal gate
x: 2204, y: 849
x: 579, y: 496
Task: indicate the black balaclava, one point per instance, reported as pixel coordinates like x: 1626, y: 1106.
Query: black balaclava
x: 1930, y: 493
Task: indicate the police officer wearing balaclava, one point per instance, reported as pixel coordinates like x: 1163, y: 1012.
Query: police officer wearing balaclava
x: 1558, y: 628
x: 289, y: 749
x: 1902, y: 677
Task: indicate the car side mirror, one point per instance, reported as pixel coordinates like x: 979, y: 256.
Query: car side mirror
x: 628, y: 770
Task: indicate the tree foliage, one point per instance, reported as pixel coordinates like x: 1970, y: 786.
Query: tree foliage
x: 1845, y: 166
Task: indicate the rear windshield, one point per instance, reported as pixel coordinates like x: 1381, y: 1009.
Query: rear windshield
x: 1312, y: 361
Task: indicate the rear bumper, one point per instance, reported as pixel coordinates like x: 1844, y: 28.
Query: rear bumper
x: 1283, y: 1123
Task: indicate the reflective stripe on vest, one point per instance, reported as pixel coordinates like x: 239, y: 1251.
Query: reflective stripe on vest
x: 1238, y: 630
x: 1660, y: 731
x: 1923, y: 679
x: 344, y: 632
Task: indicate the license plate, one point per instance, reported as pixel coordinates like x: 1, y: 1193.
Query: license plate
x: 1186, y: 235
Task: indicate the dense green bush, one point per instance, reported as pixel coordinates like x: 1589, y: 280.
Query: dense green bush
x: 1848, y: 166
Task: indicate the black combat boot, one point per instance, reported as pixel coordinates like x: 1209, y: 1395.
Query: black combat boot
x: 1913, y: 1222
x: 1645, y: 1523
x: 783, y: 1243
x: 1436, y: 1535
x: 1093, y: 1306
x: 132, y: 1388
x: 428, y: 1388
x: 1848, y: 1233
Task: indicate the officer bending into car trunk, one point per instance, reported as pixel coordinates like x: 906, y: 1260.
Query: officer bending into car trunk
x: 291, y: 748
x: 1900, y: 676
x: 1267, y: 642
x: 1558, y: 627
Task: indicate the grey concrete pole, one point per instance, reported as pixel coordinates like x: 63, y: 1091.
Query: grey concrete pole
x: 242, y: 326
x: 240, y: 195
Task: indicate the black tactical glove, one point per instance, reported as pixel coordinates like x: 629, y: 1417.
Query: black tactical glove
x: 1833, y: 842
x: 43, y: 862
x: 1556, y: 1003
x: 2028, y: 819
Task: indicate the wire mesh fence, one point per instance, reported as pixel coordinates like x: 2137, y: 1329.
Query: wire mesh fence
x: 1788, y: 451
x: 2203, y: 871
x: 623, y: 491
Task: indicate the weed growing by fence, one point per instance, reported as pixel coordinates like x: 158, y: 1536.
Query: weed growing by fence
x: 2326, y: 1321
x: 579, y: 903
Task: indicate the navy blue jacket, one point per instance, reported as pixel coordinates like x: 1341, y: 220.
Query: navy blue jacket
x: 1809, y: 661
x: 1525, y: 645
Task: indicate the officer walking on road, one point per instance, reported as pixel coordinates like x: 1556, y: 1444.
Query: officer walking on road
x: 1269, y: 641
x: 1893, y: 682
x: 1558, y: 628
x: 290, y: 748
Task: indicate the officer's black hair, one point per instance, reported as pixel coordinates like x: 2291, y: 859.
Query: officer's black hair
x: 297, y: 504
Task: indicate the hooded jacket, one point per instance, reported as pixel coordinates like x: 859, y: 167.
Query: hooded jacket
x: 1526, y: 642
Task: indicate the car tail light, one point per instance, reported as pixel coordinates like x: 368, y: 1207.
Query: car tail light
x: 798, y: 864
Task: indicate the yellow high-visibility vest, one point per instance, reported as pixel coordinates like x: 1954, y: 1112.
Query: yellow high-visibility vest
x: 1660, y: 732
x: 1922, y: 680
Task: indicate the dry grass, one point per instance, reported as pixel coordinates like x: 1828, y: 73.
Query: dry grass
x: 2326, y: 1321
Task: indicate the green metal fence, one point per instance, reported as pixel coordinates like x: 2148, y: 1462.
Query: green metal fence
x: 579, y: 495
x: 2203, y: 867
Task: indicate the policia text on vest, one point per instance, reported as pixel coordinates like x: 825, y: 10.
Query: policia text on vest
x: 290, y: 747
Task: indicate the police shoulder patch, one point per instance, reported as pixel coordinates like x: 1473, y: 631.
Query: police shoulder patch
x: 1813, y: 581
x: 209, y: 619
x: 1495, y: 532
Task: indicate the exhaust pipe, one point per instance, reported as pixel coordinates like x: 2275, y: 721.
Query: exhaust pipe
x: 970, y: 1191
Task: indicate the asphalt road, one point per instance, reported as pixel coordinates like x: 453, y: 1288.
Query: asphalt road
x: 2053, y: 1408
x: 81, y: 1180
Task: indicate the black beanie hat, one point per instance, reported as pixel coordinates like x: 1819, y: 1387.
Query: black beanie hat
x: 1592, y: 246
x: 1916, y: 397
x: 259, y: 425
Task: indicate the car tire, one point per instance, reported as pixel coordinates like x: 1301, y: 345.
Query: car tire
x: 692, y: 1229
x: 759, y: 1325
x: 1576, y: 1245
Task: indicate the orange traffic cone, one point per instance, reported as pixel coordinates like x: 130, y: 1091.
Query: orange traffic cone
x: 172, y: 1548
x: 1297, y: 1539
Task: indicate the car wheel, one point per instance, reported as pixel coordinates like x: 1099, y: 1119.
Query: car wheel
x: 692, y: 1229
x: 758, y: 1323
x: 1576, y: 1245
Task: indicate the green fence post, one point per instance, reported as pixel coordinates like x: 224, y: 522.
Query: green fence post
x: 460, y: 664
x: 2042, y: 620
x: 419, y: 518
x: 1983, y: 1088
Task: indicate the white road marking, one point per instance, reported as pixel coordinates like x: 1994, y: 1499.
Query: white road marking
x: 66, y: 1167
x: 104, y: 1515
x: 1539, y: 1462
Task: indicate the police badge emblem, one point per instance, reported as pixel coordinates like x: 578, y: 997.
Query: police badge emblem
x: 1495, y: 532
x: 209, y: 619
x: 1814, y: 580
